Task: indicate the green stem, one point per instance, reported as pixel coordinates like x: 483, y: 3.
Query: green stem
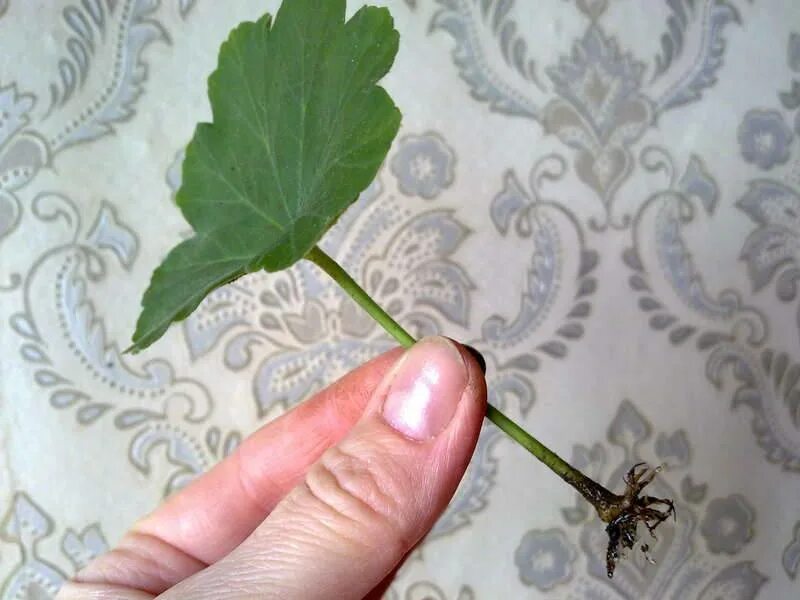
x: 556, y: 464
x: 357, y: 293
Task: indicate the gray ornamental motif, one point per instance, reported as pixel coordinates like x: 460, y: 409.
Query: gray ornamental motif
x: 535, y: 220
x: 599, y: 99
x: 728, y: 524
x: 545, y: 558
x: 89, y: 97
x: 689, y: 194
x: 731, y: 333
x: 426, y: 590
x: 764, y: 138
x: 149, y: 401
x: 24, y: 527
x: 772, y: 250
x: 790, y: 98
x: 423, y: 165
x: 95, y: 85
x: 791, y: 554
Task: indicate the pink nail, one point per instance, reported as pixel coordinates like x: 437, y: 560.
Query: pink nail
x: 426, y: 387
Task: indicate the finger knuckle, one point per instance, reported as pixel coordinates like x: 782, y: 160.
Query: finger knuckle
x: 366, y: 495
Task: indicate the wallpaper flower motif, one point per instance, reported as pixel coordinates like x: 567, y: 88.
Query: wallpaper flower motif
x: 728, y: 524
x: 765, y: 138
x: 544, y: 558
x: 423, y: 165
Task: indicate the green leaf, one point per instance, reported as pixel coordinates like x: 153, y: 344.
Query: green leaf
x: 300, y: 128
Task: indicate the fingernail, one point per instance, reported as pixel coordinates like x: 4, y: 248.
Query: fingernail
x: 478, y: 357
x: 426, y: 387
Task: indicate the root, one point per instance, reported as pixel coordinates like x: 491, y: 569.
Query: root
x: 624, y: 513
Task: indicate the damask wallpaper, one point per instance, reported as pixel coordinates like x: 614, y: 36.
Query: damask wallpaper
x: 603, y: 196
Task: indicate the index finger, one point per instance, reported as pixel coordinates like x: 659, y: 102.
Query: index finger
x: 215, y: 513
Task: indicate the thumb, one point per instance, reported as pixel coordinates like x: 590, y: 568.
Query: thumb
x: 372, y: 497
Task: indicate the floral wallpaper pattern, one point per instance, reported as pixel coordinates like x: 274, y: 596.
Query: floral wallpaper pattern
x: 603, y: 196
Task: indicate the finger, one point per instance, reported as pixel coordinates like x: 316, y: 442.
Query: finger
x: 101, y: 591
x: 380, y: 590
x: 370, y: 498
x: 210, y: 517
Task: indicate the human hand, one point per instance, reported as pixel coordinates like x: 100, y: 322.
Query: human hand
x: 324, y: 502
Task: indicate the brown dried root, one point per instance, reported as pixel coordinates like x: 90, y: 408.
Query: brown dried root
x: 623, y: 513
x: 633, y: 509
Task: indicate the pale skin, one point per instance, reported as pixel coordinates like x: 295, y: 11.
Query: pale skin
x: 324, y: 502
